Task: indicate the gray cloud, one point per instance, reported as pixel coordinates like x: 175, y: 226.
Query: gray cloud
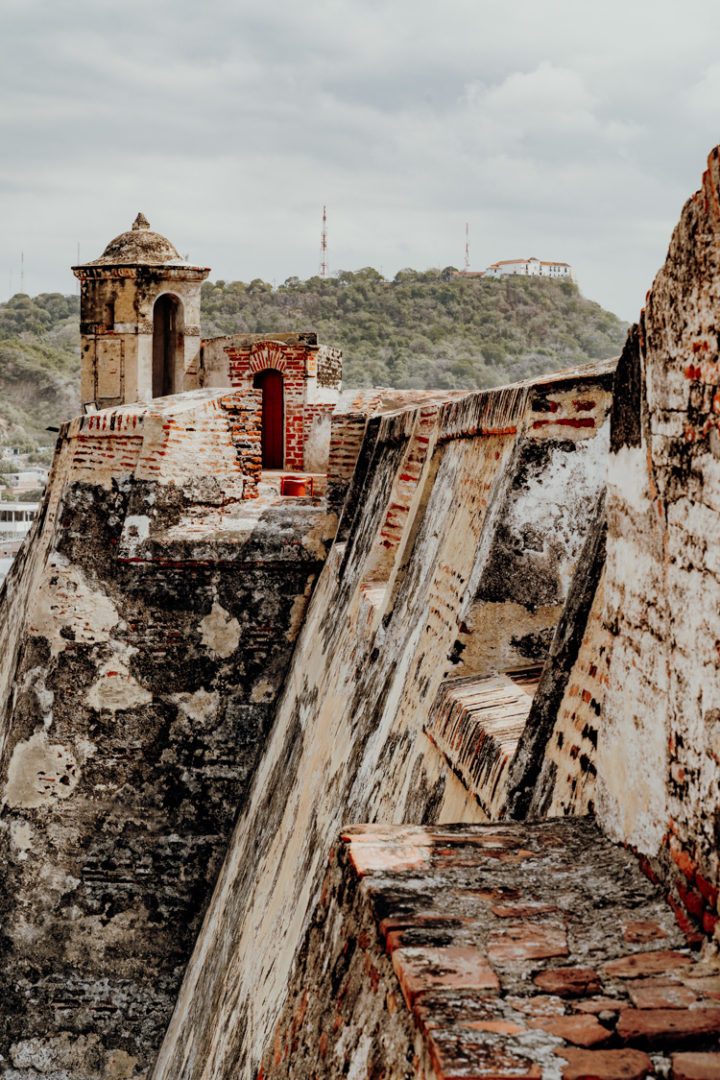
x: 556, y: 127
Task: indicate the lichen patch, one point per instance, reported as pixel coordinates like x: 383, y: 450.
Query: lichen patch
x: 220, y: 631
x: 40, y: 773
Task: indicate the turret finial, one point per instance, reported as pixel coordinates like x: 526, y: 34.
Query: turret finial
x: 140, y: 222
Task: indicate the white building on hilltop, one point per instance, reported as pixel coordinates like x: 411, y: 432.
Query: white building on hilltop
x: 530, y: 268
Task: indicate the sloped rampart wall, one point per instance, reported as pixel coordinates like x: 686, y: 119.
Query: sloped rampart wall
x: 420, y: 522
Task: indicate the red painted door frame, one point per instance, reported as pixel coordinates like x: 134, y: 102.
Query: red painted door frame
x: 270, y: 381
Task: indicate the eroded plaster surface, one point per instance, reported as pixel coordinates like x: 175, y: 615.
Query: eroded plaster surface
x: 148, y: 627
x: 421, y: 526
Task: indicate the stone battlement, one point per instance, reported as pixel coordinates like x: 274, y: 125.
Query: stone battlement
x: 413, y: 777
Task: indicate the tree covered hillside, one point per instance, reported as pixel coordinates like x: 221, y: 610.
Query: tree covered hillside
x: 39, y: 367
x: 422, y: 329
x: 426, y: 329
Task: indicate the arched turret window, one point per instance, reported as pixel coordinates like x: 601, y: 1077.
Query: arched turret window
x: 168, y: 346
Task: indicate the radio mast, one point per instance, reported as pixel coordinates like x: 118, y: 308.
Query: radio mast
x: 467, y: 246
x: 323, y: 246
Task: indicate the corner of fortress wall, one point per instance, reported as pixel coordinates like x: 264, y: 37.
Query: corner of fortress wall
x: 411, y: 609
x: 660, y: 718
x: 145, y: 631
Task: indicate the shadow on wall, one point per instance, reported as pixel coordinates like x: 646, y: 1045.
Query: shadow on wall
x: 168, y: 346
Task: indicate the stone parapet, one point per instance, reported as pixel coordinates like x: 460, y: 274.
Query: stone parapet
x: 493, y: 951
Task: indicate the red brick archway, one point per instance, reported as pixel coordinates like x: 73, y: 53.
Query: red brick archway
x: 270, y: 381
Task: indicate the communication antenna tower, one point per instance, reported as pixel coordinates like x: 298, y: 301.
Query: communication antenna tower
x: 323, y: 245
x: 22, y: 271
x: 467, y: 246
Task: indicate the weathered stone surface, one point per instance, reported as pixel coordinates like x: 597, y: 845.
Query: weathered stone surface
x: 667, y: 1027
x: 147, y: 633
x: 419, y: 522
x: 568, y: 981
x: 657, y: 761
x: 651, y: 995
x: 652, y: 962
x: 528, y: 942
x: 458, y: 1008
x: 695, y: 1066
x: 124, y: 297
x: 576, y: 1030
x: 543, y: 519
x: 421, y: 970
x: 553, y: 770
x: 145, y: 636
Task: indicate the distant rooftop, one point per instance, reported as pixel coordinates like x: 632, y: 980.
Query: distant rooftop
x: 543, y: 262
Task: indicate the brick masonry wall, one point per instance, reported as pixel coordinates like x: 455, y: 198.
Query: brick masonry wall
x: 493, y: 951
x: 329, y: 367
x: 555, y: 764
x: 404, y: 494
x: 349, y: 421
x: 297, y: 363
x: 658, y: 760
x: 347, y: 432
x: 455, y: 514
x: 567, y: 783
x: 244, y: 413
x: 149, y: 623
x: 349, y: 740
x: 558, y: 473
x: 317, y: 421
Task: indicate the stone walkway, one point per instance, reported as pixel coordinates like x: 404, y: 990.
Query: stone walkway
x: 535, y: 951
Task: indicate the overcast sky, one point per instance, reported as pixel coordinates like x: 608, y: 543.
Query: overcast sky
x: 563, y: 129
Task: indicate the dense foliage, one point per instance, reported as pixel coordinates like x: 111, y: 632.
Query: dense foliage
x: 422, y: 329
x: 426, y: 329
x: 39, y: 368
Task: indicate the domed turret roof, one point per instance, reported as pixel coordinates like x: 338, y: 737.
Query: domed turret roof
x: 139, y: 245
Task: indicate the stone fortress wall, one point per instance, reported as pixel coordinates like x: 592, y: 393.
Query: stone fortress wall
x: 417, y: 779
x: 147, y: 629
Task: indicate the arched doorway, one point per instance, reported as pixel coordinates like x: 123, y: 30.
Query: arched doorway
x: 270, y: 381
x: 168, y: 346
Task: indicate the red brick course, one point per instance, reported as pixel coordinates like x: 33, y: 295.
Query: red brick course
x: 605, y: 1064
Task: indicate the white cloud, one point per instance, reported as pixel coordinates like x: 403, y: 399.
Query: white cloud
x: 556, y: 128
x: 703, y: 97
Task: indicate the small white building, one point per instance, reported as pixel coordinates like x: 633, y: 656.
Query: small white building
x: 531, y: 267
x: 16, y: 518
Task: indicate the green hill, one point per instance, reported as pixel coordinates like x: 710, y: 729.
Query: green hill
x: 422, y: 329
x: 426, y: 329
x: 39, y: 367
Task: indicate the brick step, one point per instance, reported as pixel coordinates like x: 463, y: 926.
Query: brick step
x: 476, y: 723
